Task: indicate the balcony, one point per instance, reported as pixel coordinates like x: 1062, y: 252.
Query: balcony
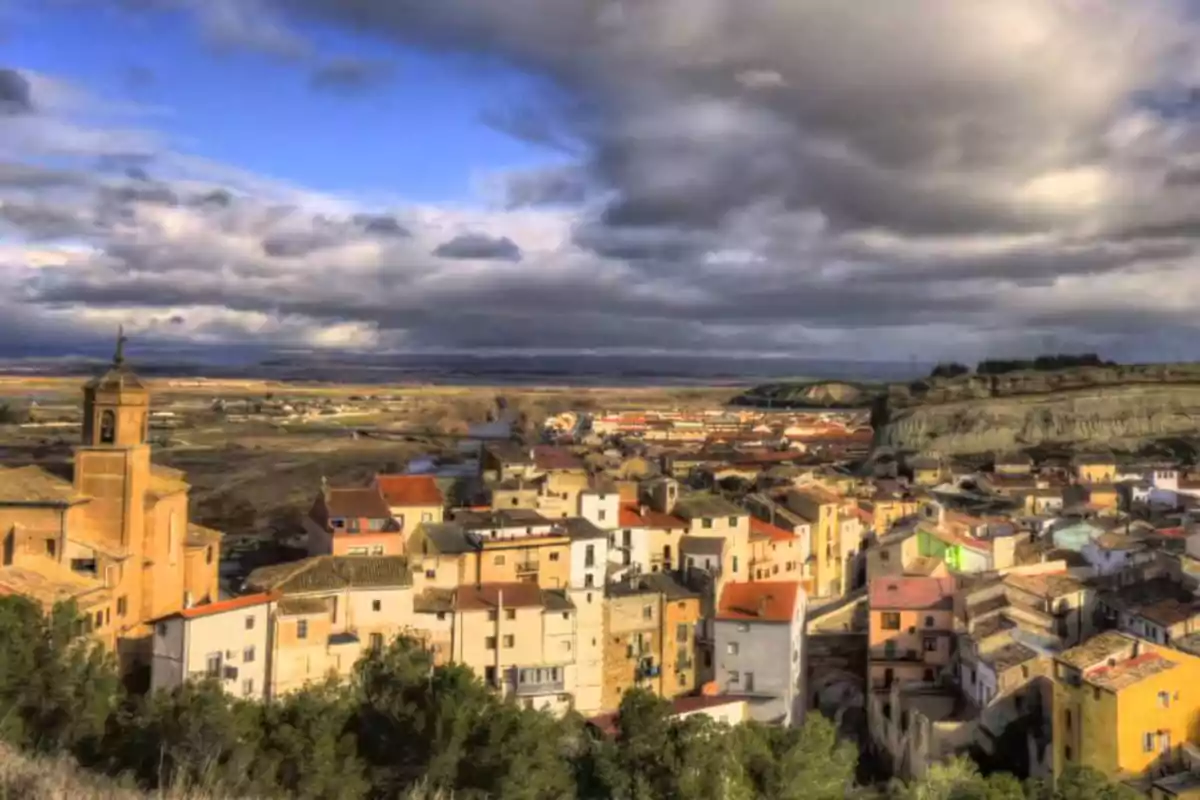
x: 647, y: 669
x: 530, y: 681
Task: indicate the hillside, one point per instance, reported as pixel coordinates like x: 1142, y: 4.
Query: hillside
x: 1122, y: 407
x: 810, y: 394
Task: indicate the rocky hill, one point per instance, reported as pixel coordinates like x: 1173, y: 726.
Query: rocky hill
x: 811, y: 394
x: 1120, y: 406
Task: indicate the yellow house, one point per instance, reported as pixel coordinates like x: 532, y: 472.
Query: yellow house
x: 114, y: 536
x: 1123, y: 705
x: 926, y: 470
x: 448, y: 555
x: 1095, y: 467
x: 819, y: 504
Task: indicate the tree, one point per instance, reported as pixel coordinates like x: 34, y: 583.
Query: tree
x: 949, y: 369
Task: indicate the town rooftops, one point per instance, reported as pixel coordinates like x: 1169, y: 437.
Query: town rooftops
x: 49, y: 582
x: 489, y: 519
x: 1093, y: 458
x: 327, y: 573
x: 34, y: 486
x: 702, y: 505
x: 1129, y: 671
x: 760, y: 602
x: 580, y: 528
x: 649, y: 583
x: 634, y: 516
x: 551, y: 459
x: 223, y: 606
x: 409, y: 490
x: 911, y: 593
x: 1097, y: 649
x: 1008, y: 656
x: 509, y: 453
x: 765, y: 530
x: 356, y: 503
x: 303, y: 606
x: 487, y: 596
x: 1047, y: 585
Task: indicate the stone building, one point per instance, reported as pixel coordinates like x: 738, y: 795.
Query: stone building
x: 112, y: 532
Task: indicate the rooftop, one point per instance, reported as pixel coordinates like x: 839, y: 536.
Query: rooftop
x: 1095, y: 650
x: 409, y: 490
x: 911, y: 593
x: 1130, y: 671
x: 1008, y: 656
x: 580, y: 528
x: 702, y: 505
x: 649, y: 583
x: 549, y: 458
x: 49, y: 582
x: 200, y: 536
x: 35, y: 486
x: 634, y: 516
x: 1046, y: 585
x: 298, y: 606
x: 761, y: 602
x: 223, y: 606
x: 492, y: 595
x: 326, y: 573
x: 361, y: 503
x: 473, y: 520
x: 765, y: 530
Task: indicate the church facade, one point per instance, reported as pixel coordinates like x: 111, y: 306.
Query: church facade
x: 114, y: 534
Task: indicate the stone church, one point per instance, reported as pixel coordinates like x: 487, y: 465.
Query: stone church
x: 112, y: 532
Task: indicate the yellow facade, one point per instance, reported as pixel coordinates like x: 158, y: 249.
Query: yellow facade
x: 1124, y: 705
x: 1098, y: 472
x: 820, y: 505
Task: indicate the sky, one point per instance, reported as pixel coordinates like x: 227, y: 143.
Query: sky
x: 925, y: 179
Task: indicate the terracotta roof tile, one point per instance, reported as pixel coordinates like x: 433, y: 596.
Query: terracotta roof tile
x: 488, y: 596
x: 410, y: 490
x: 323, y: 573
x: 233, y: 604
x: 364, y: 503
x: 764, y: 602
x: 765, y: 530
x: 35, y: 486
x: 632, y: 517
x: 911, y: 593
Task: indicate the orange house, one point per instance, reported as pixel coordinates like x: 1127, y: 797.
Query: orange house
x: 911, y: 635
x: 775, y: 554
x: 353, y: 522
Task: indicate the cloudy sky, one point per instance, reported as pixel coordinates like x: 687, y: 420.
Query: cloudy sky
x: 817, y: 178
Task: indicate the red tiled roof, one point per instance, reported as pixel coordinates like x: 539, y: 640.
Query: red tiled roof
x: 548, y: 457
x: 409, y: 490
x: 759, y: 528
x: 488, y: 595
x: 765, y: 602
x: 363, y: 503
x: 233, y: 604
x: 911, y: 593
x: 630, y: 518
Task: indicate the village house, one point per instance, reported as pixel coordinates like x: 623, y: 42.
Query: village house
x: 759, y: 639
x: 823, y: 507
x: 650, y: 637
x: 411, y: 499
x: 776, y: 554
x: 353, y: 522
x: 1124, y: 706
x: 496, y: 547
x: 228, y: 641
x: 911, y: 635
x: 113, y: 536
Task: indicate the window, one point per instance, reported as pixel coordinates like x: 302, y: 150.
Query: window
x: 122, y: 606
x: 884, y: 555
x: 682, y: 678
x: 589, y: 580
x: 734, y: 677
x: 250, y: 622
x: 749, y: 681
x: 498, y: 561
x: 376, y: 605
x: 492, y: 616
x: 212, y: 665
x: 930, y: 644
x: 377, y: 550
x: 490, y: 643
x: 1067, y: 719
x: 510, y: 613
x: 589, y: 556
x: 554, y: 557
x: 601, y: 514
x: 426, y: 516
x: 1148, y: 742
x: 162, y: 629
x: 1164, y: 699
x: 376, y: 641
x: 929, y: 622
x: 589, y: 597
x: 735, y: 564
x: 733, y: 522
x: 208, y: 556
x: 891, y: 620
x: 706, y: 523
x: 743, y: 627
x: 302, y: 629
x: 489, y: 675
x: 732, y: 648
x: 681, y: 632
x: 566, y: 615
x: 566, y: 646
x: 248, y: 655
x: 99, y: 619
x: 647, y: 612
x: 248, y: 687
x: 52, y: 548
x: 357, y: 551
x: 108, y: 427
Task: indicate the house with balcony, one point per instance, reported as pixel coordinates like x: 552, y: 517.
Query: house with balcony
x: 777, y: 554
x: 758, y: 634
x: 648, y: 538
x: 520, y: 639
x: 911, y: 635
x: 650, y: 637
x: 353, y: 522
x: 817, y: 503
x: 451, y: 554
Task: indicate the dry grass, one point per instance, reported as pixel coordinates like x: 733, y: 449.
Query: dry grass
x: 25, y: 778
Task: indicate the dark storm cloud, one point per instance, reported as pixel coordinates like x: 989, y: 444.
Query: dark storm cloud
x: 15, y: 94
x: 41, y: 222
x: 350, y: 75
x: 544, y: 187
x: 479, y: 246
x: 381, y: 225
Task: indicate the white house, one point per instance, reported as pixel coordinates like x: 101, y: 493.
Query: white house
x: 229, y: 641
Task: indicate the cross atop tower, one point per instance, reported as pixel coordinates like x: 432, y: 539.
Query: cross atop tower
x: 119, y: 355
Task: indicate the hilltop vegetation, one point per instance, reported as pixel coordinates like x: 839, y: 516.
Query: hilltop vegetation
x: 810, y: 394
x: 404, y: 728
